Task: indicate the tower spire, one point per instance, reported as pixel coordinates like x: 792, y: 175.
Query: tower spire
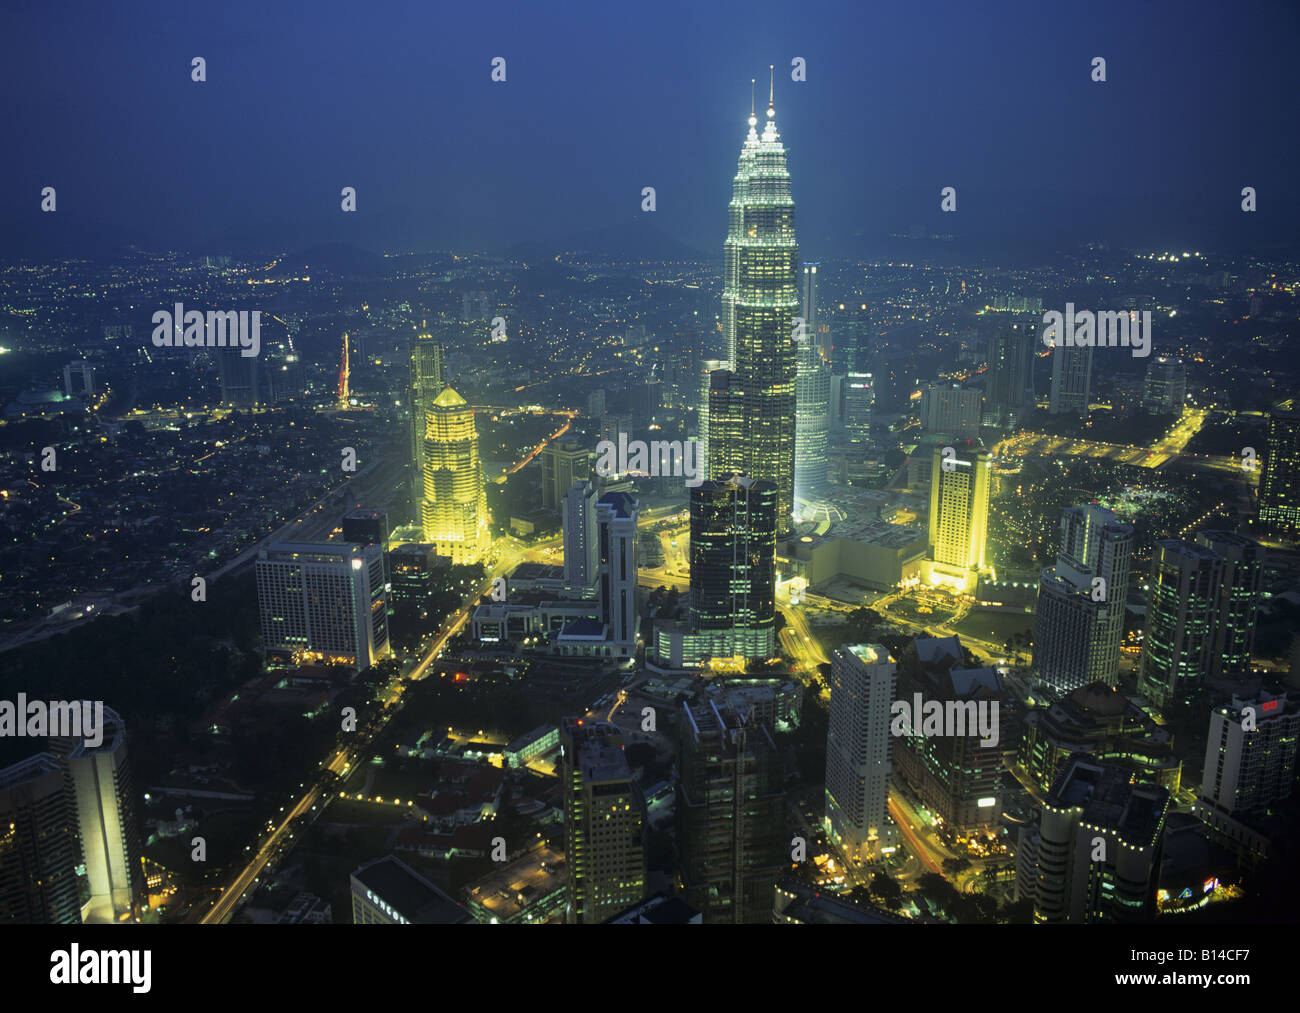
x: 751, y: 98
x: 771, y: 87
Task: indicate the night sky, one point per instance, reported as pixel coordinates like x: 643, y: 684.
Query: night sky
x: 604, y: 98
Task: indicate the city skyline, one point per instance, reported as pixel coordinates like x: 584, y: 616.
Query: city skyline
x: 489, y: 501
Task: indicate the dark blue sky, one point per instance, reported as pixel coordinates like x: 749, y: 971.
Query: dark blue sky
x: 603, y: 98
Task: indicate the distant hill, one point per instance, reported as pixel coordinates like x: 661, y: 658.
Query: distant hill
x: 333, y: 258
x: 632, y: 240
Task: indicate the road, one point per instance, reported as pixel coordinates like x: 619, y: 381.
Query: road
x: 339, y: 761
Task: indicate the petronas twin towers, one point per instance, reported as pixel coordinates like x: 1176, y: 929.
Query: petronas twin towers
x: 752, y: 403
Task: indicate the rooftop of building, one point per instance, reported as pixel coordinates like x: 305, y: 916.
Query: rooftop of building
x: 409, y: 894
x: 657, y: 910
x: 1109, y: 797
x: 622, y: 503
x: 28, y: 769
x: 448, y: 399
x: 538, y: 571
x: 362, y: 514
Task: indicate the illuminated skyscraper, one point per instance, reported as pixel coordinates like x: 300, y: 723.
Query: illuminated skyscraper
x: 38, y: 845
x: 581, y: 544
x: 733, y: 557
x: 1094, y: 855
x: 851, y: 337
x: 759, y: 302
x: 1079, y: 623
x: 1181, y: 615
x: 1164, y: 391
x: 859, y: 749
x: 951, y: 408
x: 959, y: 508
x: 616, y: 533
x: 812, y: 419
x: 604, y: 826
x: 1239, y: 597
x: 427, y: 380
x: 104, y: 798
x: 563, y: 463
x: 730, y: 814
x: 1010, y: 389
x: 857, y: 399
x: 1250, y: 757
x: 1279, y: 485
x: 324, y: 601
x: 454, y: 511
x: 1071, y: 379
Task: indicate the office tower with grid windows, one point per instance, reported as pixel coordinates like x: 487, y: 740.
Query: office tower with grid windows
x: 733, y: 566
x: 1240, y: 593
x: 324, y: 601
x: 959, y: 508
x: 604, y: 822
x: 38, y: 845
x: 1182, y: 612
x: 859, y: 750
x: 730, y: 813
x: 1079, y: 616
x: 1279, y: 482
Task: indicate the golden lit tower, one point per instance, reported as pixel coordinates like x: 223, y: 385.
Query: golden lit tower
x: 454, y: 511
x: 344, y: 374
x: 959, y: 510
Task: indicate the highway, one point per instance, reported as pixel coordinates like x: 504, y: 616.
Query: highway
x: 338, y: 761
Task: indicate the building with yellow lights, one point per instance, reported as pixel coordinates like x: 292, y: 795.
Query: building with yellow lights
x: 454, y: 508
x: 959, y: 513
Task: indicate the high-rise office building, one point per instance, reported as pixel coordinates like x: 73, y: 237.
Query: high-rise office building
x: 324, y: 601
x: 1250, y: 755
x: 733, y: 565
x: 1010, y: 390
x: 812, y: 418
x: 857, y: 399
x: 851, y: 334
x: 581, y: 541
x: 950, y: 408
x: 103, y: 795
x: 1071, y: 380
x: 1279, y: 483
x: 957, y: 777
x: 759, y: 302
x: 1240, y: 591
x: 959, y: 507
x: 1079, y: 622
x: 239, y: 376
x: 1182, y: 609
x: 859, y: 750
x: 38, y: 845
x: 563, y: 463
x: 454, y: 510
x: 604, y: 822
x: 1094, y: 855
x: 616, y: 522
x: 428, y: 376
x: 1164, y: 390
x: 730, y: 814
